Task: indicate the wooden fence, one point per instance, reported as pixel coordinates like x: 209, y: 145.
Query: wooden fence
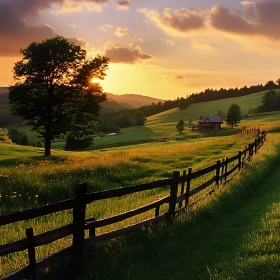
x: 177, y: 138
x: 178, y: 199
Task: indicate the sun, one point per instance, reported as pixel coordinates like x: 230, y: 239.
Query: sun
x: 95, y: 80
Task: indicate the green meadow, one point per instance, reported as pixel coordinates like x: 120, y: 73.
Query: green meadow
x: 201, y: 244
x: 164, y: 124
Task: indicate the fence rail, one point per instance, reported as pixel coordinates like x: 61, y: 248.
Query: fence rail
x: 222, y: 170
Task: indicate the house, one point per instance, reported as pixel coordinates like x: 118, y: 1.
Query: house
x: 208, y: 123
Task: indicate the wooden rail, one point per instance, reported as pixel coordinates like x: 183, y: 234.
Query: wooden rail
x: 218, y: 174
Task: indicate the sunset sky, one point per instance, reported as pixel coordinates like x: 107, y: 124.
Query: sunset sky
x: 159, y: 48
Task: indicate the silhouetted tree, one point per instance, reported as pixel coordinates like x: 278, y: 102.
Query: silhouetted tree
x: 270, y: 85
x: 180, y: 126
x: 54, y: 93
x: 233, y: 115
x: 124, y: 120
x: 139, y: 117
x: 183, y: 104
x: 24, y: 140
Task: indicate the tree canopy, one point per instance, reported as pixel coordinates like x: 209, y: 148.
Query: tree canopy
x: 180, y: 126
x: 53, y: 91
x: 233, y: 115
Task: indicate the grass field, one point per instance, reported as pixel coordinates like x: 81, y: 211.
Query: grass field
x: 164, y: 124
x: 28, y: 180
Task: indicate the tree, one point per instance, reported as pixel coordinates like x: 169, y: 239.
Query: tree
x: 278, y: 82
x: 124, y: 120
x: 233, y: 115
x: 139, y: 117
x: 54, y: 93
x: 182, y: 104
x: 73, y: 144
x: 180, y: 126
x: 24, y: 140
x: 270, y: 85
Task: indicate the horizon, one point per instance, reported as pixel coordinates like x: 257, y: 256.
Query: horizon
x: 162, y: 49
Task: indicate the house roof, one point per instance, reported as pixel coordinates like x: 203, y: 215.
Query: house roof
x: 211, y: 119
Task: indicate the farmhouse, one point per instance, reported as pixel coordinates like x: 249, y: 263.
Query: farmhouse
x: 208, y: 123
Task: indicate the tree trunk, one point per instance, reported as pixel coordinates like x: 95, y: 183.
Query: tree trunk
x: 48, y: 141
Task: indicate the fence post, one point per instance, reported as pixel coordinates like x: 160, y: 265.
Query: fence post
x: 157, y: 211
x: 173, y: 194
x: 31, y: 253
x: 223, y: 170
x: 226, y: 168
x: 182, y: 188
x: 79, y: 214
x: 256, y: 145
x: 218, y: 172
x: 239, y: 160
x: 188, y: 187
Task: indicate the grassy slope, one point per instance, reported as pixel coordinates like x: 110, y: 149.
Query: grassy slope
x: 164, y: 124
x: 27, y: 180
x: 206, y: 108
x: 232, y: 235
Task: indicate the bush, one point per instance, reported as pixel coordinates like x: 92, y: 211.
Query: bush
x: 74, y: 144
x: 24, y: 140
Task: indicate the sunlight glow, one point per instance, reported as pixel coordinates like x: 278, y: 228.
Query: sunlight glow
x: 95, y: 80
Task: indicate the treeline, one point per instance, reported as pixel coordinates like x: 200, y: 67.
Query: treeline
x: 206, y: 95
x: 113, y: 121
x: 270, y: 102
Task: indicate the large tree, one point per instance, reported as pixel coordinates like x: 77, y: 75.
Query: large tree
x: 233, y: 115
x: 54, y: 93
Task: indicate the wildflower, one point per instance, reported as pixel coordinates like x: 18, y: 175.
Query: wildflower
x: 36, y: 195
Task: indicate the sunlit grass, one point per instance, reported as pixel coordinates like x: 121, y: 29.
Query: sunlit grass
x: 28, y: 180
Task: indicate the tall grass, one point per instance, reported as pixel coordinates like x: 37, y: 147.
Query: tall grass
x: 233, y: 234
x: 27, y: 180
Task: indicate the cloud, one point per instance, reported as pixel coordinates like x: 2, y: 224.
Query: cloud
x: 223, y: 19
x: 181, y: 21
x: 260, y: 18
x: 123, y: 4
x: 179, y: 77
x: 250, y: 8
x: 168, y: 42
x: 128, y: 54
x: 79, y: 41
x: 106, y: 27
x: 15, y: 31
x: 122, y: 31
x: 78, y: 5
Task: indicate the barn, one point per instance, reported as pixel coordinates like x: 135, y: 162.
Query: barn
x: 208, y: 123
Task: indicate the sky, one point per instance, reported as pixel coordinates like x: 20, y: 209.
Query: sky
x: 159, y: 48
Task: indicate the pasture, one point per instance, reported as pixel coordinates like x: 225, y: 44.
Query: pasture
x: 164, y: 124
x: 28, y: 180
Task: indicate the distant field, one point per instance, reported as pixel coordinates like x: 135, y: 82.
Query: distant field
x: 196, y: 110
x: 164, y: 124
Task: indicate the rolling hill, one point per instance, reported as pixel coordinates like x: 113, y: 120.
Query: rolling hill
x: 164, y: 124
x: 132, y: 100
x: 196, y: 110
